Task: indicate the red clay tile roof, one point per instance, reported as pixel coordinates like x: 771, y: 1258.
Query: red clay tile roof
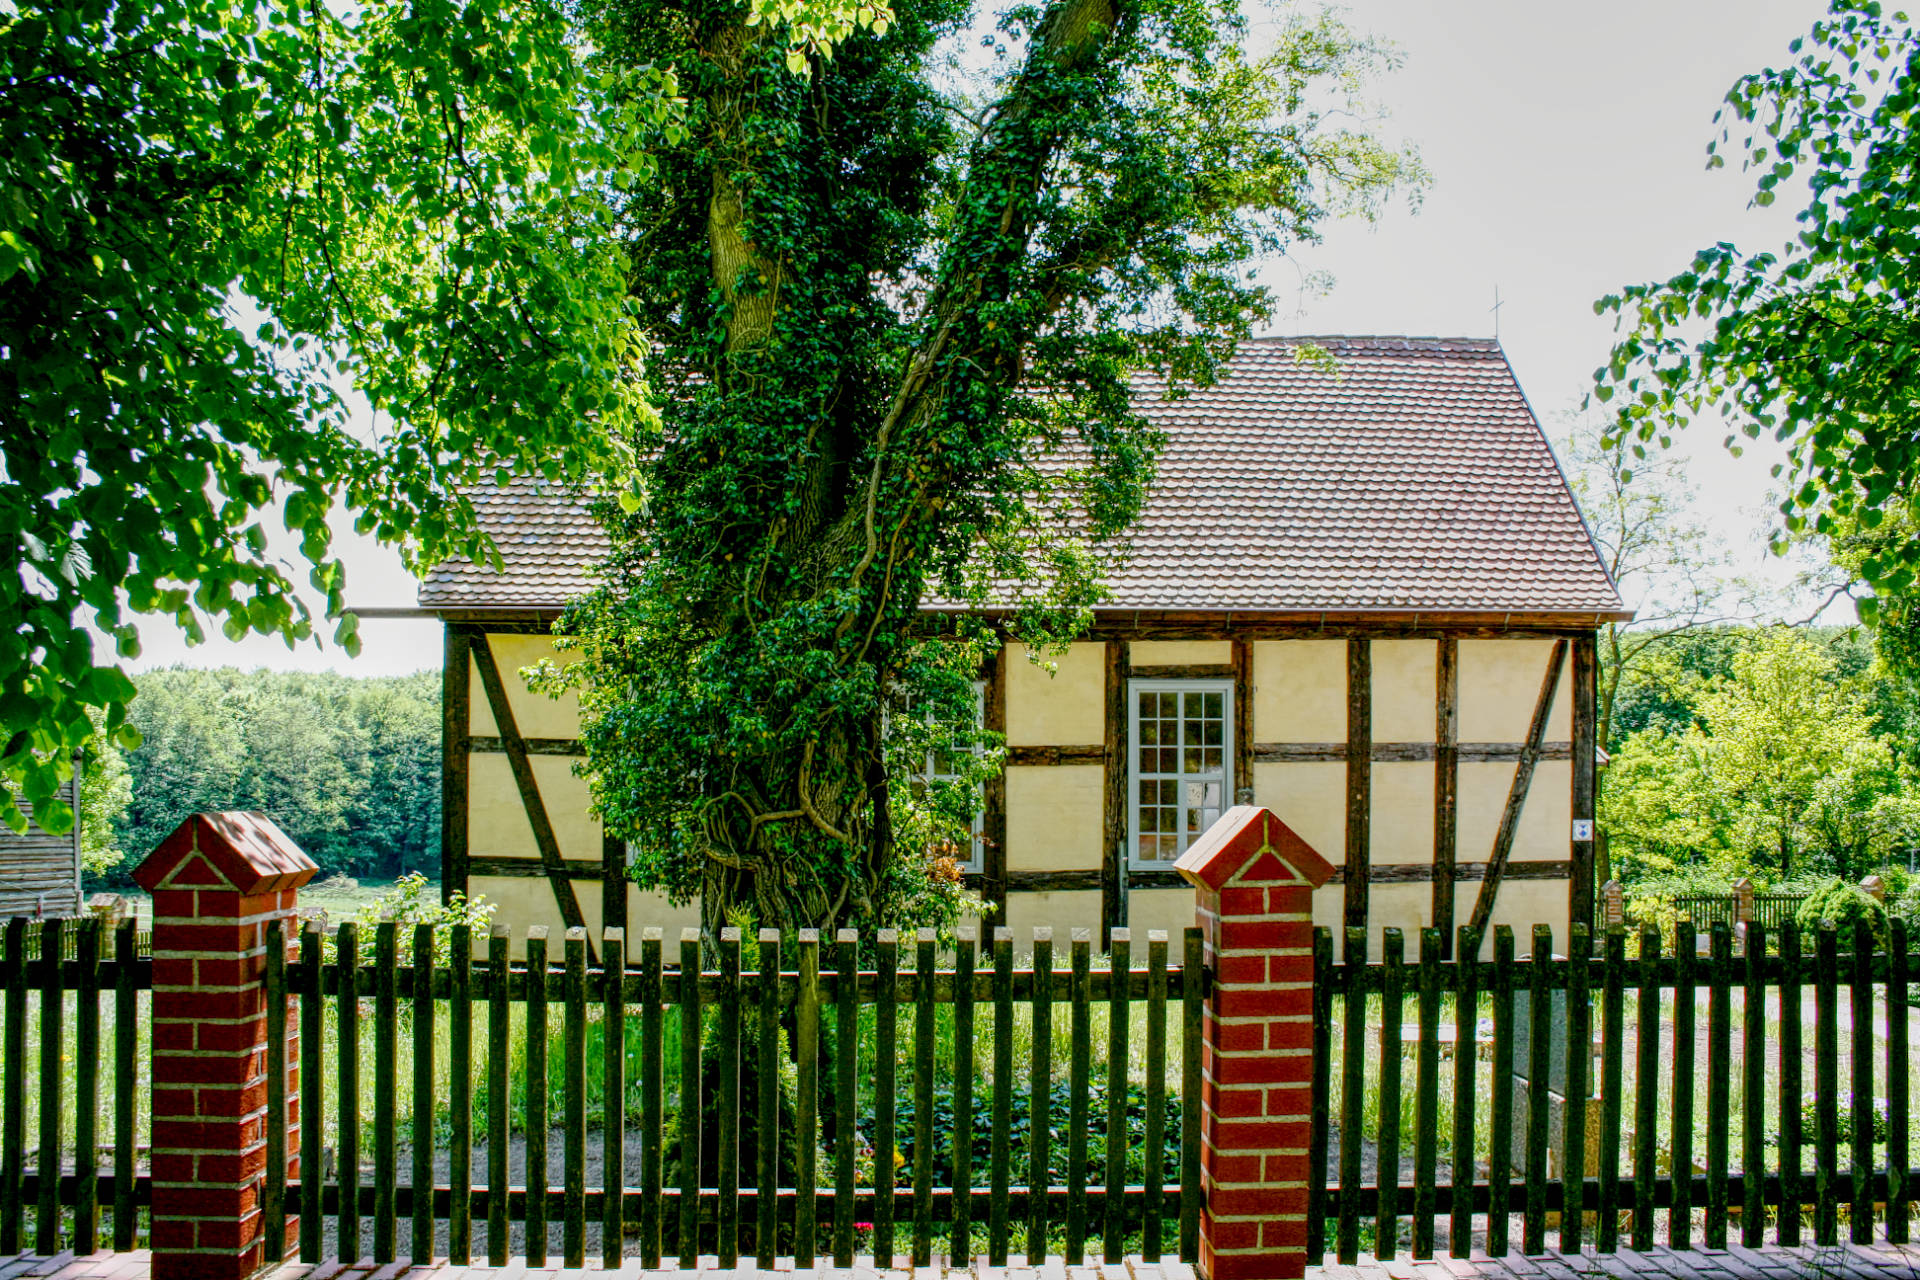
x: 1412, y: 477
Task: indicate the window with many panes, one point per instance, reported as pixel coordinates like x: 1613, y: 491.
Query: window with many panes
x: 1180, y: 766
x: 944, y: 767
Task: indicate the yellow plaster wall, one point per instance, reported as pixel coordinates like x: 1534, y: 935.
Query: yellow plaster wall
x: 1401, y: 812
x: 1300, y: 691
x: 497, y: 825
x: 536, y: 715
x: 1405, y: 680
x: 1499, y: 684
x: 1055, y: 816
x: 1179, y: 653
x: 1169, y: 909
x: 1310, y: 797
x: 1066, y: 708
x: 1545, y: 821
x: 1521, y: 904
x: 1064, y: 911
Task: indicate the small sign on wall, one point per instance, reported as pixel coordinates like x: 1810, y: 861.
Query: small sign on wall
x: 1583, y: 829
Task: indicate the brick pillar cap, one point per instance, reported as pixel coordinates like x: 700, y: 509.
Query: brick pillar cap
x: 243, y: 852
x: 1249, y: 844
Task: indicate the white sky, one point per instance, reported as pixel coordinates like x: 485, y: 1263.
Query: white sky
x: 1567, y: 147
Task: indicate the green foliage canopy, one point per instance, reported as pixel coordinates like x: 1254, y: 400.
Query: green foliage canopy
x: 898, y: 304
x: 1816, y: 344
x: 1783, y: 773
x: 215, y: 216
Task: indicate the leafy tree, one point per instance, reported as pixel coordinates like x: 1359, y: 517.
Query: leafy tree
x: 1812, y: 345
x: 1782, y: 774
x: 899, y: 290
x: 218, y: 215
x: 106, y: 789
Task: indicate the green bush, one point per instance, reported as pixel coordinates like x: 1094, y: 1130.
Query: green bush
x: 1846, y: 905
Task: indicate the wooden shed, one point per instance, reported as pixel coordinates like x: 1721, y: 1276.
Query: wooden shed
x: 1360, y: 595
x: 39, y: 871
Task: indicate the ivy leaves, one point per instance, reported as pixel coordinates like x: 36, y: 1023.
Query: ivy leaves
x: 217, y: 214
x: 1816, y: 345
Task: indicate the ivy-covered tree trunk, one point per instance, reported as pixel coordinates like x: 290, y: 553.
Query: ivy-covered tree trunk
x: 895, y: 320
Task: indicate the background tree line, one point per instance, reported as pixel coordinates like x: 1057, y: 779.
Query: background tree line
x: 348, y: 766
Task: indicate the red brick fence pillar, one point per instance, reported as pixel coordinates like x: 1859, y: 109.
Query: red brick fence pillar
x: 1255, y: 880
x: 216, y: 882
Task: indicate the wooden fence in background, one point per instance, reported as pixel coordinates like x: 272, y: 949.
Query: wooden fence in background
x: 1632, y: 1183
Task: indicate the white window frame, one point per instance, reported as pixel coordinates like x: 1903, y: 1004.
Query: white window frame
x: 1227, y: 781
x: 975, y: 863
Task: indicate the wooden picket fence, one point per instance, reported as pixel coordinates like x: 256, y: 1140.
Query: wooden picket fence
x: 1770, y: 910
x: 744, y: 1211
x: 1622, y: 1197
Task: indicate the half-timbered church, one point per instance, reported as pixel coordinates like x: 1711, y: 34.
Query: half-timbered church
x: 1360, y: 594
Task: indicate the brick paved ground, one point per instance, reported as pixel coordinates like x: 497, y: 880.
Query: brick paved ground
x: 1843, y: 1262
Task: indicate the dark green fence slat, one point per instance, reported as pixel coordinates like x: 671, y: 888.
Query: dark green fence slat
x: 1792, y: 1100
x: 806, y: 1128
x: 923, y: 1067
x: 1000, y: 1173
x: 86, y: 1089
x: 573, y: 1233
x: 1613, y: 1010
x: 386, y: 1085
x: 313, y: 1093
x: 1353, y: 1082
x: 961, y: 1248
x: 1040, y: 1093
x: 1826, y: 1090
x: 1319, y: 1093
x: 1579, y: 1065
x: 13, y: 1128
x: 1719, y: 1081
x: 726, y: 1052
x: 1386, y: 1223
x: 346, y: 955
x: 126, y: 1063
x: 767, y: 1121
x: 1426, y: 1094
x: 846, y: 1043
x: 1646, y: 1088
x: 1192, y: 976
x: 1153, y: 1155
x: 424, y: 1092
x: 613, y: 1093
x: 53, y: 1074
x: 653, y: 1127
x: 1500, y: 1107
x: 1899, y: 1082
x: 1753, y: 1087
x: 538, y: 1126
x: 1539, y: 1058
x: 689, y: 1102
x: 460, y: 1100
x: 1119, y: 1025
x: 1861, y: 1219
x: 1466, y: 1069
x: 1680, y: 1145
x: 1081, y: 1040
x: 499, y: 1035
x: 886, y: 1063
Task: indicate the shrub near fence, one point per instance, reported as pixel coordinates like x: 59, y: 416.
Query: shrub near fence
x: 832, y: 1019
x: 1629, y: 1182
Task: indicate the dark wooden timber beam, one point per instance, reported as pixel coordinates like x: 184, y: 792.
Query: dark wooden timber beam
x: 993, y: 817
x: 1422, y: 873
x: 1242, y: 720
x: 533, y: 746
x: 522, y: 766
x: 1405, y: 752
x: 1182, y: 671
x: 1113, y: 836
x: 1359, y: 779
x: 1031, y: 757
x: 1446, y: 786
x: 1517, y: 795
x: 456, y: 709
x: 1586, y: 728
